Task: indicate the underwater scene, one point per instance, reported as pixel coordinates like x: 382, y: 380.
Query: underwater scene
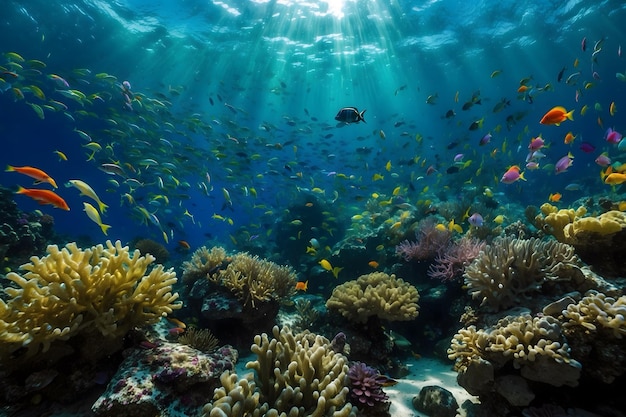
x: 333, y: 208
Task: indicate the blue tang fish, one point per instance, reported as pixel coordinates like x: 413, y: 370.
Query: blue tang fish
x: 350, y: 115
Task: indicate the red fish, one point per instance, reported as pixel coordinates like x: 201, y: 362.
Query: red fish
x: 44, y: 197
x: 33, y: 172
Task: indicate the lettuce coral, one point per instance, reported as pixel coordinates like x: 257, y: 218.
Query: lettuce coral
x: 510, y: 270
x: 376, y: 294
x: 103, y: 289
x: 295, y: 375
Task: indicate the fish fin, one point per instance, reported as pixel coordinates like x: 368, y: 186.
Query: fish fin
x: 361, y: 116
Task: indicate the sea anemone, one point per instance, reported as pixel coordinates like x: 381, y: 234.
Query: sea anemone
x: 366, y: 389
x: 200, y: 339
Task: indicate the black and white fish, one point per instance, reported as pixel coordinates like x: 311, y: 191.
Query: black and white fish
x: 350, y: 115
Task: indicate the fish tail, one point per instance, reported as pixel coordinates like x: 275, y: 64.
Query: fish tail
x: 10, y: 168
x: 103, y: 207
x: 20, y: 190
x: 361, y: 116
x: 105, y: 228
x: 570, y: 115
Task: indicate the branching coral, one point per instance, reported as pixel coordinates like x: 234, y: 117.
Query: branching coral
x: 450, y: 264
x: 253, y: 279
x: 203, y: 263
x: 295, y: 375
x: 375, y: 294
x: 70, y: 290
x: 509, y: 270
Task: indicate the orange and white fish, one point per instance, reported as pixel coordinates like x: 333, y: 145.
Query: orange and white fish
x: 556, y: 116
x: 302, y: 286
x: 33, y: 172
x: 44, y: 197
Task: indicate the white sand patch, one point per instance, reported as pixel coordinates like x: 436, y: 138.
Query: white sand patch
x: 424, y: 372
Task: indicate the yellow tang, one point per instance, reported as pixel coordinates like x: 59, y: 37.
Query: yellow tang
x: 326, y: 265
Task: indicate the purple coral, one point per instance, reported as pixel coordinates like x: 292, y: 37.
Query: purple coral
x: 450, y: 264
x: 431, y: 241
x: 366, y: 385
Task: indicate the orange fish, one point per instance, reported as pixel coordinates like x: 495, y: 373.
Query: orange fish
x: 522, y: 89
x: 569, y: 138
x: 44, y: 197
x: 556, y: 197
x: 556, y: 116
x: 35, y: 173
x: 184, y: 244
x: 373, y: 264
x: 615, y: 178
x: 612, y: 109
x: 302, y: 286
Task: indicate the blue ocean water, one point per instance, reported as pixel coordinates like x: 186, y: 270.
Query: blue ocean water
x: 239, y: 97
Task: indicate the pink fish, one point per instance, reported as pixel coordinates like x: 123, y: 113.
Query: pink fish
x: 583, y: 44
x: 603, y: 160
x: 613, y: 136
x: 511, y: 175
x: 536, y: 144
x: 564, y: 163
x: 532, y: 165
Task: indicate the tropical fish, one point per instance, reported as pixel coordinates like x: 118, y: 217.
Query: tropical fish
x: 87, y: 191
x: 44, y: 197
x: 350, y: 115
x: 302, y: 286
x: 564, y: 163
x: 556, y: 116
x: 93, y: 214
x: 475, y: 220
x: 39, y: 175
x: 615, y: 178
x: 554, y: 197
x: 512, y: 174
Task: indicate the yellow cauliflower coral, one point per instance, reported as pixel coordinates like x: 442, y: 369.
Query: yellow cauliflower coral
x: 105, y: 289
x: 375, y: 294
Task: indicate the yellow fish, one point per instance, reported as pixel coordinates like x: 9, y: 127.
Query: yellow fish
x: 93, y: 214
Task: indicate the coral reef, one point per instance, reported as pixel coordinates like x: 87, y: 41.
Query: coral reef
x: 511, y: 270
x: 431, y: 241
x: 596, y: 239
x: 516, y: 350
x: 200, y: 339
x: 103, y: 290
x: 169, y: 379
x: 295, y: 375
x: 376, y: 294
x: 451, y: 263
x: 366, y: 389
x: 149, y: 246
x: 203, y: 263
x: 596, y: 329
x: 254, y: 280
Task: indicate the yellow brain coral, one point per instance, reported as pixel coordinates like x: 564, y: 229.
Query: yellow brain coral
x: 375, y: 294
x: 102, y: 288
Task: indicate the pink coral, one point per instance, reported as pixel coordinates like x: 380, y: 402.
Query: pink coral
x: 451, y: 263
x: 431, y: 241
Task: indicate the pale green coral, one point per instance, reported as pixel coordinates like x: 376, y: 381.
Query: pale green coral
x: 509, y: 270
x: 295, y: 376
x: 597, y: 310
x: 376, y: 294
x: 103, y: 289
x: 533, y: 344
